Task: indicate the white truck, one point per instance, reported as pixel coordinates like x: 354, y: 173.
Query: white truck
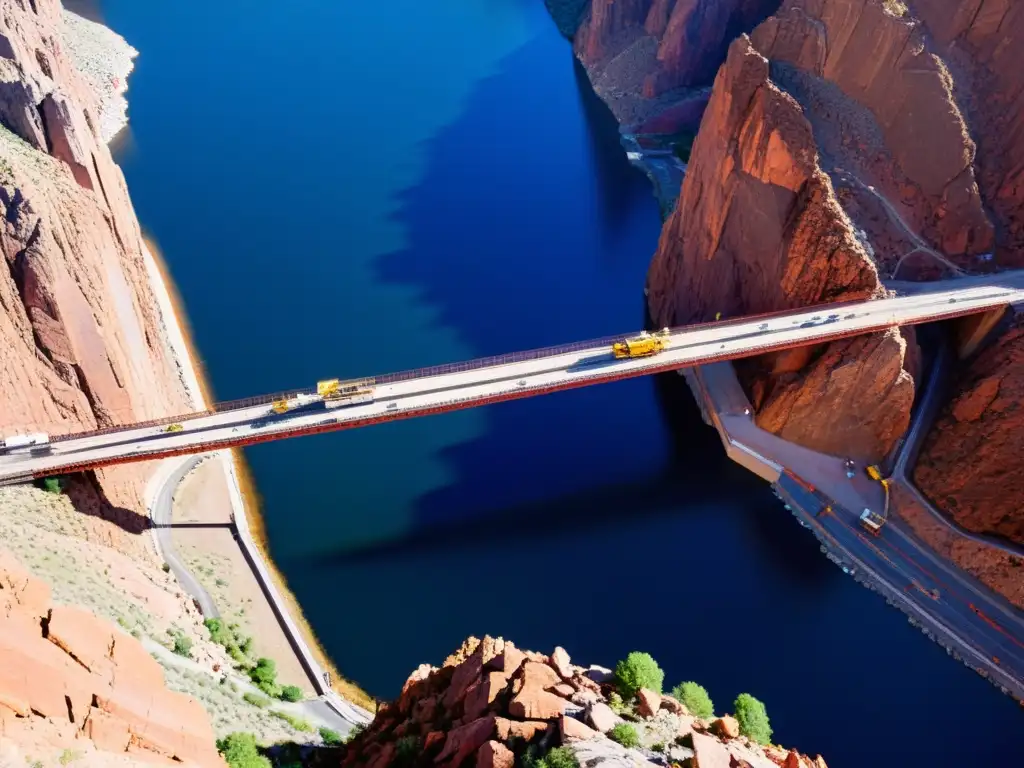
x: 36, y: 442
x: 872, y: 521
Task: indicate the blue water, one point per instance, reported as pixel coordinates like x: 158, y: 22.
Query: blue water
x: 344, y: 189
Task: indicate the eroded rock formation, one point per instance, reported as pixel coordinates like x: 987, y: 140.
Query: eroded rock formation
x: 970, y: 462
x: 79, y: 325
x: 491, y: 703
x: 650, y: 58
x: 70, y: 680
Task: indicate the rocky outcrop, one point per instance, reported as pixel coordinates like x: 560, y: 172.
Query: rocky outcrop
x: 69, y: 680
x: 759, y: 227
x: 440, y: 719
x: 969, y: 464
x: 649, y: 57
x: 82, y: 335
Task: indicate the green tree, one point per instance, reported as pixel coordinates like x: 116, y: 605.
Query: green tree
x: 183, y: 645
x: 291, y: 693
x: 636, y: 671
x: 240, y: 751
x: 753, y: 718
x: 53, y: 485
x: 695, y: 698
x: 625, y: 734
x: 561, y: 757
x: 331, y: 738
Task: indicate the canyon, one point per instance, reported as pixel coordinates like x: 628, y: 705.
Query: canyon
x: 844, y: 143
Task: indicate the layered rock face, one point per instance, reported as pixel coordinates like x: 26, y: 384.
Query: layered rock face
x: 70, y: 680
x: 969, y: 464
x: 642, y: 55
x: 491, y: 704
x: 833, y: 152
x: 80, y: 328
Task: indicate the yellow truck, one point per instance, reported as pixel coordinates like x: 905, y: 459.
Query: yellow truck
x: 644, y: 345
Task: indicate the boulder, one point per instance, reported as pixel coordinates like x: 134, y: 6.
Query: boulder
x: 480, y: 695
x: 673, y: 706
x: 518, y: 729
x: 536, y: 704
x: 561, y: 663
x: 710, y: 752
x: 494, y: 754
x: 508, y: 661
x: 431, y: 739
x: 599, y: 674
x: 383, y: 758
x: 572, y: 729
x: 467, y: 739
x: 727, y: 727
x: 535, y: 675
x: 564, y: 690
x: 584, y: 698
x: 648, y: 702
x: 601, y: 717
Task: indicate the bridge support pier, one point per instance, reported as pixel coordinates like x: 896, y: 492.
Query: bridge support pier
x: 971, y: 331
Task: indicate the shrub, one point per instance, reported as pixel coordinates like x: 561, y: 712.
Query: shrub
x: 53, y: 485
x: 295, y: 722
x: 625, y: 734
x: 166, y: 567
x: 659, y: 747
x: 407, y: 749
x: 331, y: 738
x: 291, y: 693
x: 265, y: 671
x: 68, y: 755
x: 695, y: 698
x: 561, y: 757
x: 753, y: 718
x: 636, y: 671
x: 256, y: 700
x: 616, y: 704
x: 218, y: 632
x: 240, y: 751
x: 183, y: 645
x: 273, y: 690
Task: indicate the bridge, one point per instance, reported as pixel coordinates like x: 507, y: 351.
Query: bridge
x: 508, y: 377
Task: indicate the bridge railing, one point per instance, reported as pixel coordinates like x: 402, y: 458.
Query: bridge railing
x: 456, y: 367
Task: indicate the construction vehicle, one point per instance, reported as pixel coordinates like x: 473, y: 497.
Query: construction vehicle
x: 872, y: 521
x: 173, y: 428
x: 36, y: 442
x: 876, y: 474
x: 286, y: 404
x: 644, y: 345
x: 337, y: 394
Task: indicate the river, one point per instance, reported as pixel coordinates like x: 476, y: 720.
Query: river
x: 343, y: 189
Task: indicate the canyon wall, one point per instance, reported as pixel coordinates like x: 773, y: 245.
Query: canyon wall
x: 651, y: 60
x: 83, y: 340
x: 969, y: 464
x: 834, y: 153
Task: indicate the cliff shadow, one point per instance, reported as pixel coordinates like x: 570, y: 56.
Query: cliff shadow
x: 88, y: 497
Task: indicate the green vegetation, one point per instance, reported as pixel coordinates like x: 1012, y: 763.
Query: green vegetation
x: 753, y: 718
x: 331, y: 738
x: 227, y: 636
x: 68, y: 755
x: 636, y: 671
x: 625, y: 734
x: 182, y: 644
x: 617, y: 705
x: 896, y: 7
x: 166, y: 567
x: 295, y: 722
x: 407, y: 749
x: 240, y: 751
x: 559, y: 757
x: 53, y: 485
x: 264, y: 675
x: 291, y: 693
x: 659, y: 747
x: 695, y: 698
x: 256, y: 700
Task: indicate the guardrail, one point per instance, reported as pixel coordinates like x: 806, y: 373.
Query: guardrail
x: 534, y: 354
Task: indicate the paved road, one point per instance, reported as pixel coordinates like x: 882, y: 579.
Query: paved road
x: 476, y: 383
x: 161, y: 512
x: 963, y: 614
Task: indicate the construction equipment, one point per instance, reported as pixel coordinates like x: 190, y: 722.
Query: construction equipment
x: 286, y: 404
x: 644, y: 345
x: 173, y: 428
x: 35, y: 442
x: 342, y: 393
x: 876, y: 474
x: 872, y: 521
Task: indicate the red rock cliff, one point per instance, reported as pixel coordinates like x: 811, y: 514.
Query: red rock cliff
x: 80, y: 328
x: 834, y: 151
x: 69, y: 679
x: 641, y: 54
x: 970, y: 462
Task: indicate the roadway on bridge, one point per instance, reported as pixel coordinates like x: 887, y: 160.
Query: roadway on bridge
x: 471, y: 385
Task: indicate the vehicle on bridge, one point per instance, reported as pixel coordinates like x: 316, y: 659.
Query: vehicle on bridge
x: 644, y: 345
x: 337, y: 394
x: 872, y: 521
x: 35, y: 443
x: 286, y: 404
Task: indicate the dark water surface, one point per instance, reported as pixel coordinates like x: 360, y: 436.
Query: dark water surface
x: 346, y: 188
